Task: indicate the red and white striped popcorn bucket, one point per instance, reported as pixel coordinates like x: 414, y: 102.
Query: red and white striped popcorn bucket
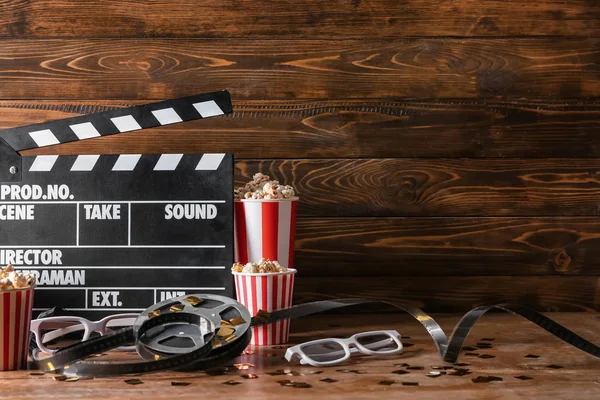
x: 16, y: 306
x: 267, y: 292
x: 265, y: 229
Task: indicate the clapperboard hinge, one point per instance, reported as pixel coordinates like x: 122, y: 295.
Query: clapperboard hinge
x: 107, y: 123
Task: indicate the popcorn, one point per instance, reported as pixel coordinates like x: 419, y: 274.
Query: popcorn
x: 264, y: 266
x: 261, y: 187
x: 11, y: 279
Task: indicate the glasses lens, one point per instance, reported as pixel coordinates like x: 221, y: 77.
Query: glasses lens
x: 377, y: 342
x: 58, y: 334
x: 324, y: 351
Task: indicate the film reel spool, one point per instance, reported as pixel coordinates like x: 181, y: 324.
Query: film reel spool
x: 201, y: 315
x: 229, y: 341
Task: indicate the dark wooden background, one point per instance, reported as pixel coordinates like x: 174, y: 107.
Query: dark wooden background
x: 446, y: 152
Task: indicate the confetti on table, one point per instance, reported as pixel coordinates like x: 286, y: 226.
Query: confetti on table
x: 248, y: 352
x: 461, y: 364
x: 471, y: 354
x: 486, y: 379
x: 180, y: 383
x: 469, y: 348
x: 298, y: 385
x: 316, y: 372
x: 523, y: 377
x: 487, y: 339
x: 402, y: 365
x: 460, y: 372
x: 386, y: 382
x: 554, y: 366
x: 37, y: 373
x: 351, y: 371
x: 328, y: 380
x: 249, y: 376
x: 72, y: 379
x: 434, y: 374
x: 243, y: 366
x: 410, y: 383
x: 59, y: 378
x: 232, y: 383
x: 486, y: 356
x: 133, y: 381
x: 400, y: 372
x: 416, y: 368
x: 532, y: 356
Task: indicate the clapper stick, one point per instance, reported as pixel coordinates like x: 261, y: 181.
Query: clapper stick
x: 117, y: 233
x: 105, y: 123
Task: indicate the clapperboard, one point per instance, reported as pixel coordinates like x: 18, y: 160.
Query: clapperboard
x: 117, y: 233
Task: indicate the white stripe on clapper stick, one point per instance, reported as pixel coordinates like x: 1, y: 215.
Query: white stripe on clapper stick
x: 168, y: 162
x: 44, y: 137
x: 85, y: 130
x: 85, y: 163
x: 126, y: 123
x: 210, y: 162
x: 208, y: 109
x: 43, y: 163
x: 167, y: 116
x: 254, y: 227
x: 126, y: 162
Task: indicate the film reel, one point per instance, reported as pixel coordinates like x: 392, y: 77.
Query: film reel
x: 196, y: 331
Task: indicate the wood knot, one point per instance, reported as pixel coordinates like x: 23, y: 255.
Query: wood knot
x: 561, y: 261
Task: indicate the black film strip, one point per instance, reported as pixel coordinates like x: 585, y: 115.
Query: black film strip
x: 223, y: 350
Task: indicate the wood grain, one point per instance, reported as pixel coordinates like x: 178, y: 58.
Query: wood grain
x: 458, y: 293
x: 359, y: 247
x: 436, y: 187
x: 346, y: 129
x: 293, y: 19
x: 514, y: 338
x: 299, y: 69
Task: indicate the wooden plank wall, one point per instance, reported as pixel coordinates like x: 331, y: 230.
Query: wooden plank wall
x: 446, y: 153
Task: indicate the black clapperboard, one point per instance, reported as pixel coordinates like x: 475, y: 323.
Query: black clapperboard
x: 110, y: 234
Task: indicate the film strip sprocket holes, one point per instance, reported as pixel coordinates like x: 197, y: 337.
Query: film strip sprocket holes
x: 118, y: 121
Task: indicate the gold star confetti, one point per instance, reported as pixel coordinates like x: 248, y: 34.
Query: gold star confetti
x: 59, y: 378
x: 176, y: 307
x: 223, y: 332
x: 133, y: 381
x: 249, y: 376
x: 193, y: 300
x: 237, y: 321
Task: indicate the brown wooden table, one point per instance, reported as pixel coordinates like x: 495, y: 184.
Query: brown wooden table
x: 547, y: 367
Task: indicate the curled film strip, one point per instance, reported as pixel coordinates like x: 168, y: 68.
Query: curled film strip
x: 219, y: 329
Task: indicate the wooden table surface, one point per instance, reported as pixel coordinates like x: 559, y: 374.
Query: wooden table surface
x: 560, y: 371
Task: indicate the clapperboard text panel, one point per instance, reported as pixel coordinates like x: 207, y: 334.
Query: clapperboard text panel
x: 120, y: 232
